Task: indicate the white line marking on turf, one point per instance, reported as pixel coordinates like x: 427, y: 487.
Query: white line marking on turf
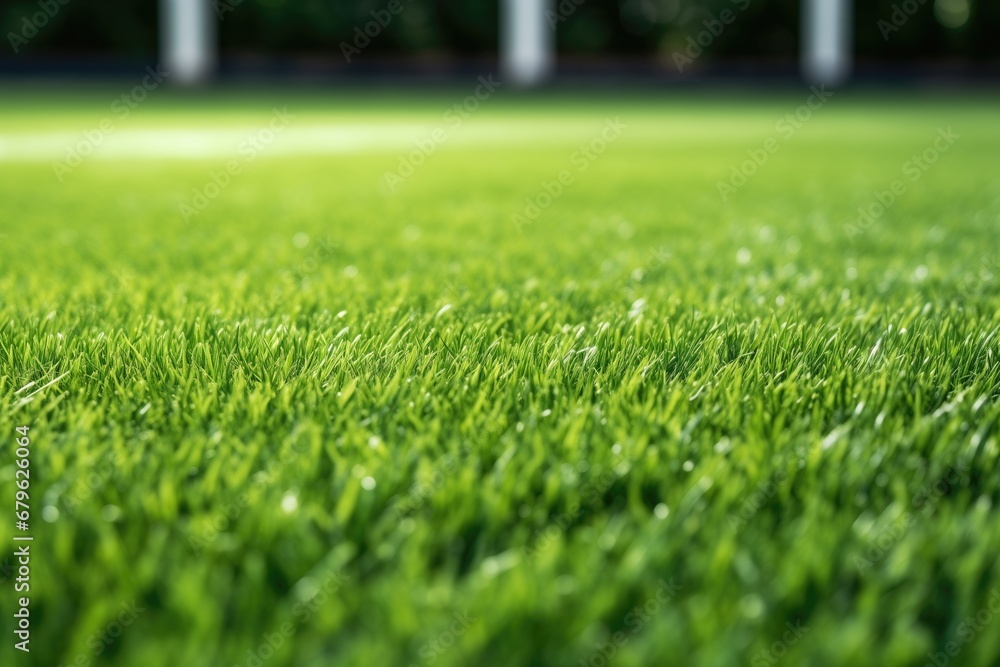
x: 225, y: 142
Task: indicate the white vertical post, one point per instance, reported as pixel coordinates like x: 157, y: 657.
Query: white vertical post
x: 827, y: 40
x: 188, y: 39
x: 527, y: 41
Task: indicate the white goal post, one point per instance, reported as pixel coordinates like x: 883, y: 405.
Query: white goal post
x: 188, y: 39
x: 827, y: 40
x: 527, y: 41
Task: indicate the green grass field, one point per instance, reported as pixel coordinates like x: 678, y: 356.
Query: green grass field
x: 377, y: 428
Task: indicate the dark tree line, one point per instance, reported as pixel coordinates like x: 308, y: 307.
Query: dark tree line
x: 765, y: 29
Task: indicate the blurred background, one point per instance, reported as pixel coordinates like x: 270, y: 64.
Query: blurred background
x: 613, y: 40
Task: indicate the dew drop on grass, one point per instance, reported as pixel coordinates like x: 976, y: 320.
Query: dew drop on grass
x: 565, y: 584
x: 111, y: 513
x: 368, y: 483
x: 638, y: 306
x: 306, y: 589
x: 723, y: 446
x: 751, y: 606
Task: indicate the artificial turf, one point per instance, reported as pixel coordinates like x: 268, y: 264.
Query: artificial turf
x: 642, y: 426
